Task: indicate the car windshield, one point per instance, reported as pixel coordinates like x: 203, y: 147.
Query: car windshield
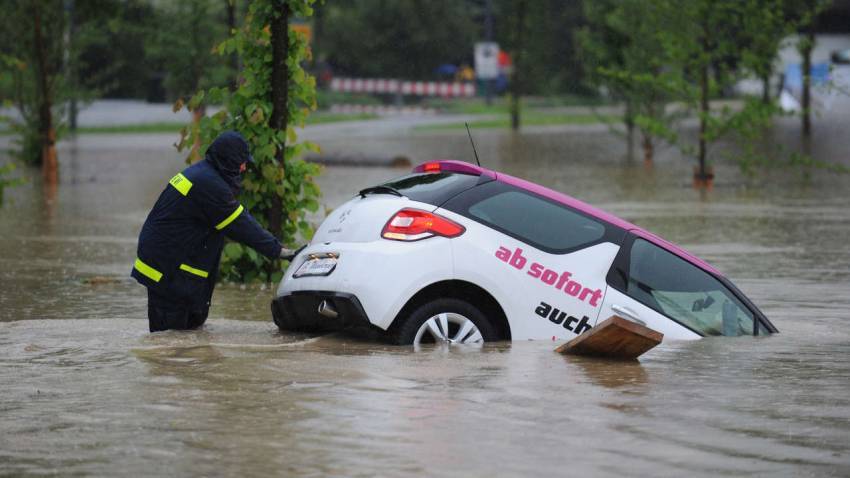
x: 685, y: 293
x: 432, y: 188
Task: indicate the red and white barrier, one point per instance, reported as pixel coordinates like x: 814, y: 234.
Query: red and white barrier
x: 416, y: 88
x: 381, y: 110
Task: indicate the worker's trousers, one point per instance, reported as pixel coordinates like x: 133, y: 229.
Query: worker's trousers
x: 166, y: 313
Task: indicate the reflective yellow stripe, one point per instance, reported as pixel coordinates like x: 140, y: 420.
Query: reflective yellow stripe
x: 230, y: 218
x: 192, y: 270
x: 181, y: 184
x: 148, y: 271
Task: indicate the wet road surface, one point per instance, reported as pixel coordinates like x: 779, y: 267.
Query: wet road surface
x: 85, y: 390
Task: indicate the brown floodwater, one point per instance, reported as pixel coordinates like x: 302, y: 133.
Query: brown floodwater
x: 85, y: 390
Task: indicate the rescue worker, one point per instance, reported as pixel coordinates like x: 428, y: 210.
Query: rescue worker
x: 181, y: 241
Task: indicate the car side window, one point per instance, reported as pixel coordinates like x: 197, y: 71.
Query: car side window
x: 670, y: 285
x: 539, y: 222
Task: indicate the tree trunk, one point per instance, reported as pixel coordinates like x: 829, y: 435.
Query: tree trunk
x: 516, y: 88
x: 765, y: 89
x: 807, y: 82
x: 648, y: 150
x: 280, y: 96
x: 72, y: 69
x: 230, y: 7
x: 701, y: 175
x: 197, y: 114
x: 629, y: 122
x: 46, y: 133
x: 316, y: 43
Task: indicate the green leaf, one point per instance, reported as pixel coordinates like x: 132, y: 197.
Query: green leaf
x: 311, y: 205
x: 268, y: 150
x: 277, y: 275
x: 252, y: 254
x: 233, y: 250
x: 196, y: 100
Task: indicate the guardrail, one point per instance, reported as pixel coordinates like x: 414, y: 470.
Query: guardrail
x: 413, y: 88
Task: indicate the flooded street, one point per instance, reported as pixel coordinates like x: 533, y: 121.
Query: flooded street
x: 86, y: 390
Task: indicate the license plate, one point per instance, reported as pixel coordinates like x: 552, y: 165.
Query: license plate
x: 320, y: 265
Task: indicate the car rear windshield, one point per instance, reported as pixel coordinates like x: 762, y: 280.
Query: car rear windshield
x: 432, y: 188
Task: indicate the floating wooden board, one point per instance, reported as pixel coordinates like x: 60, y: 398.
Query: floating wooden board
x: 615, y: 338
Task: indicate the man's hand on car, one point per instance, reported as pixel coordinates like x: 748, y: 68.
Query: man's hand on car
x: 287, y: 254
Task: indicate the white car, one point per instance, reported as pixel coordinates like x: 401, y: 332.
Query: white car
x: 461, y: 254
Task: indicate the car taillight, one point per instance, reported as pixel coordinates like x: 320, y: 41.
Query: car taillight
x: 415, y: 224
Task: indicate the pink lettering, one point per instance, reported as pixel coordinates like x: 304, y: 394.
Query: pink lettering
x: 573, y: 288
x: 561, y: 281
x: 535, y: 270
x: 517, y: 260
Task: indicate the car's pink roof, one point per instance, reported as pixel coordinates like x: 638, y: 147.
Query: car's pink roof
x: 468, y: 168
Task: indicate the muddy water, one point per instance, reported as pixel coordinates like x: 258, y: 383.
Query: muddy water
x: 85, y: 390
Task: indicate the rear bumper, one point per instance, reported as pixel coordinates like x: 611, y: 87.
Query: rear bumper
x: 299, y: 311
x: 383, y: 275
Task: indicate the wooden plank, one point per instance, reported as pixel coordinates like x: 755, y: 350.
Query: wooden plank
x: 615, y: 338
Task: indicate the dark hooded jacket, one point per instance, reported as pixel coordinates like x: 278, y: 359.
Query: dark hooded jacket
x: 181, y: 241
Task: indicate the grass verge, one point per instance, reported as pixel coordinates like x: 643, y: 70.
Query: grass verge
x: 528, y: 118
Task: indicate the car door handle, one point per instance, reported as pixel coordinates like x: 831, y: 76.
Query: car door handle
x: 627, y: 313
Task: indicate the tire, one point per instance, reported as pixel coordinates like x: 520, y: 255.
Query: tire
x: 454, y: 313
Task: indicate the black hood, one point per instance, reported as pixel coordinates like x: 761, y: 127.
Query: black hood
x: 226, y: 154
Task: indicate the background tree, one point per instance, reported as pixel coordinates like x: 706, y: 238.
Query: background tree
x: 88, y: 29
x: 117, y: 64
x: 698, y: 42
x: 551, y: 62
x: 621, y: 52
x: 274, y: 96
x: 183, y: 46
x: 765, y: 23
x: 399, y: 38
x: 519, y: 32
x: 807, y: 12
x: 33, y: 44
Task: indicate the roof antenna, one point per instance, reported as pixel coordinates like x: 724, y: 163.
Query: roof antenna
x: 473, y: 144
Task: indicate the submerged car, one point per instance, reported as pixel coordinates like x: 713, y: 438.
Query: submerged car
x: 461, y: 254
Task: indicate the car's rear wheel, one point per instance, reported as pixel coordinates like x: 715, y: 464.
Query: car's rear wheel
x: 450, y: 321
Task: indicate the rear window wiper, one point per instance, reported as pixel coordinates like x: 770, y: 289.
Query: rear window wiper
x: 380, y: 190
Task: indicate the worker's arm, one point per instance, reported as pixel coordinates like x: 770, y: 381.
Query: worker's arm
x: 225, y: 214
x: 247, y: 230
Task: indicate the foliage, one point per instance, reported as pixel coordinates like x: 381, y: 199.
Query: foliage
x: 182, y: 46
x: 402, y: 38
x: 653, y: 53
x: 114, y: 59
x: 248, y: 110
